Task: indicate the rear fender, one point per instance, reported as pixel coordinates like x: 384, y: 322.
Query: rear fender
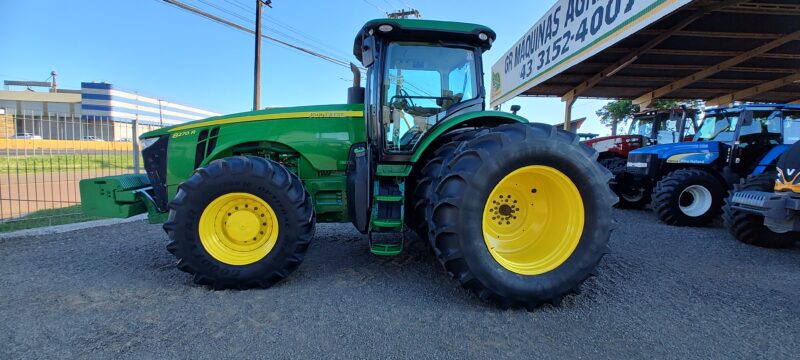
x: 474, y: 119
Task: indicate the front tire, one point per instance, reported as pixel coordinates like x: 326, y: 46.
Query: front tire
x: 636, y: 200
x: 688, y: 197
x: 240, y: 222
x: 543, y: 241
x: 749, y: 228
x: 615, y: 164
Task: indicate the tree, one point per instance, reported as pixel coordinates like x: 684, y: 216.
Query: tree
x: 623, y: 110
x: 613, y: 113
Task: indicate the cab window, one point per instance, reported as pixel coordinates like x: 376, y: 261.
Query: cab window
x: 421, y: 82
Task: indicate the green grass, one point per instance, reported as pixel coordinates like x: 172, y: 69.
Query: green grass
x: 52, y: 163
x: 66, y: 215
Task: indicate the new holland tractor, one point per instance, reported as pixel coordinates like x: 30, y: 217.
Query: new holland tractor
x: 764, y: 209
x: 518, y: 213
x: 650, y: 127
x: 687, y: 182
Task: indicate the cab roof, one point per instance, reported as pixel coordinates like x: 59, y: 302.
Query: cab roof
x: 737, y: 108
x: 426, y: 30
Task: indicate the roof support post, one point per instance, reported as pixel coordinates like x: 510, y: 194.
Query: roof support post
x: 755, y: 90
x: 568, y: 113
x: 702, y: 74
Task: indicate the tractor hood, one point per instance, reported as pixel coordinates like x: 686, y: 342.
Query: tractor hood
x: 701, y: 152
x: 286, y: 113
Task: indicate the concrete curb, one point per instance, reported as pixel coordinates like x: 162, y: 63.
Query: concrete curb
x: 58, y: 229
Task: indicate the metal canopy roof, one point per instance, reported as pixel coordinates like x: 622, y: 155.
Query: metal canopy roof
x: 713, y: 50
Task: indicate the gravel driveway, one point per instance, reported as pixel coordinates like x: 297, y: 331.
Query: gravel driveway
x: 664, y: 292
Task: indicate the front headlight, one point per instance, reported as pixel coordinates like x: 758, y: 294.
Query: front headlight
x: 145, y: 143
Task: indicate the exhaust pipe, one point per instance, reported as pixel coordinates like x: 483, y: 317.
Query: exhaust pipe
x: 355, y: 94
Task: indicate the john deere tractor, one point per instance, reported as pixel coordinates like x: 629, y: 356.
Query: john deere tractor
x: 688, y: 181
x: 519, y: 213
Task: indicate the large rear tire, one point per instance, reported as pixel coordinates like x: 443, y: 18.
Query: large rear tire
x: 749, y: 228
x: 429, y: 177
x: 688, y: 197
x: 240, y: 222
x: 522, y: 214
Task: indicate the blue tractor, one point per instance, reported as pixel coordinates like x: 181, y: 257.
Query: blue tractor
x: 764, y: 209
x: 687, y: 182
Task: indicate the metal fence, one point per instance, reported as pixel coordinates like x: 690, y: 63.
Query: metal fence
x: 43, y: 157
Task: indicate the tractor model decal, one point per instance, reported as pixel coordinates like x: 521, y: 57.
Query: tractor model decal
x: 693, y: 158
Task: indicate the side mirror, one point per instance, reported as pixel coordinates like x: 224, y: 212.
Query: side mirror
x: 368, y: 51
x: 515, y: 108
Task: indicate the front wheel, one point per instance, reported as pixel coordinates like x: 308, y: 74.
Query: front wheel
x: 634, y: 199
x: 240, y: 222
x: 688, y: 197
x: 522, y: 214
x: 614, y: 164
x: 749, y: 228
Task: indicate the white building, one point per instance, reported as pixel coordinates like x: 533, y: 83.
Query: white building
x: 97, y: 109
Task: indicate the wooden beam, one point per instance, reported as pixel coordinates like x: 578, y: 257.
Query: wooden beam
x: 633, y: 56
x: 715, y: 34
x: 682, y: 52
x: 795, y: 102
x: 764, y: 9
x: 758, y: 89
x: 664, y: 90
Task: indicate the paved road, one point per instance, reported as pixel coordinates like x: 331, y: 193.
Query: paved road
x: 664, y: 293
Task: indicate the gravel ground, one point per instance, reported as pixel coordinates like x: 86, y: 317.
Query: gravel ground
x: 664, y: 292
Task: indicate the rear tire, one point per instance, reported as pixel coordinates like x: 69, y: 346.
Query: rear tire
x: 424, y: 197
x: 688, y: 197
x: 468, y: 186
x: 212, y: 240
x: 749, y: 228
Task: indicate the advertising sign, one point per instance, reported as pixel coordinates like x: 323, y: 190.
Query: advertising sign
x: 571, y: 32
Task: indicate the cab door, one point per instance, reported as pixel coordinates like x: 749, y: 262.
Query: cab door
x: 760, y: 131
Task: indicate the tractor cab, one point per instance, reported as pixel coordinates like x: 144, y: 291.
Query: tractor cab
x: 665, y: 126
x: 419, y: 74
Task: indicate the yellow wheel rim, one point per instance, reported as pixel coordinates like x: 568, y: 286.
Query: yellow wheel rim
x: 238, y: 228
x: 533, y: 220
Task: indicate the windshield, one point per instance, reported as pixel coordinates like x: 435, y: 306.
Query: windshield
x: 642, y: 125
x: 420, y: 83
x: 718, y: 127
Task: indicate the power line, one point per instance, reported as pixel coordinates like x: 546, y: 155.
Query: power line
x: 279, y: 23
x: 231, y: 24
x: 382, y: 10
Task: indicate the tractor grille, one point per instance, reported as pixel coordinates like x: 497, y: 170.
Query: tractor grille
x: 642, y: 164
x: 155, y: 164
x: 206, y: 142
x: 756, y: 199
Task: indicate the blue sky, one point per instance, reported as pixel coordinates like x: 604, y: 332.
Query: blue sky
x: 162, y: 51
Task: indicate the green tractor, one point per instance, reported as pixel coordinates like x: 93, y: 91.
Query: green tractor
x: 518, y: 213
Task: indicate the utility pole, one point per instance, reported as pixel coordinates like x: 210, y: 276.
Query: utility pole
x: 257, y: 69
x: 404, y: 14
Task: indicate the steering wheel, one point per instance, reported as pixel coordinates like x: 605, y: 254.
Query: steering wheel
x: 403, y: 100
